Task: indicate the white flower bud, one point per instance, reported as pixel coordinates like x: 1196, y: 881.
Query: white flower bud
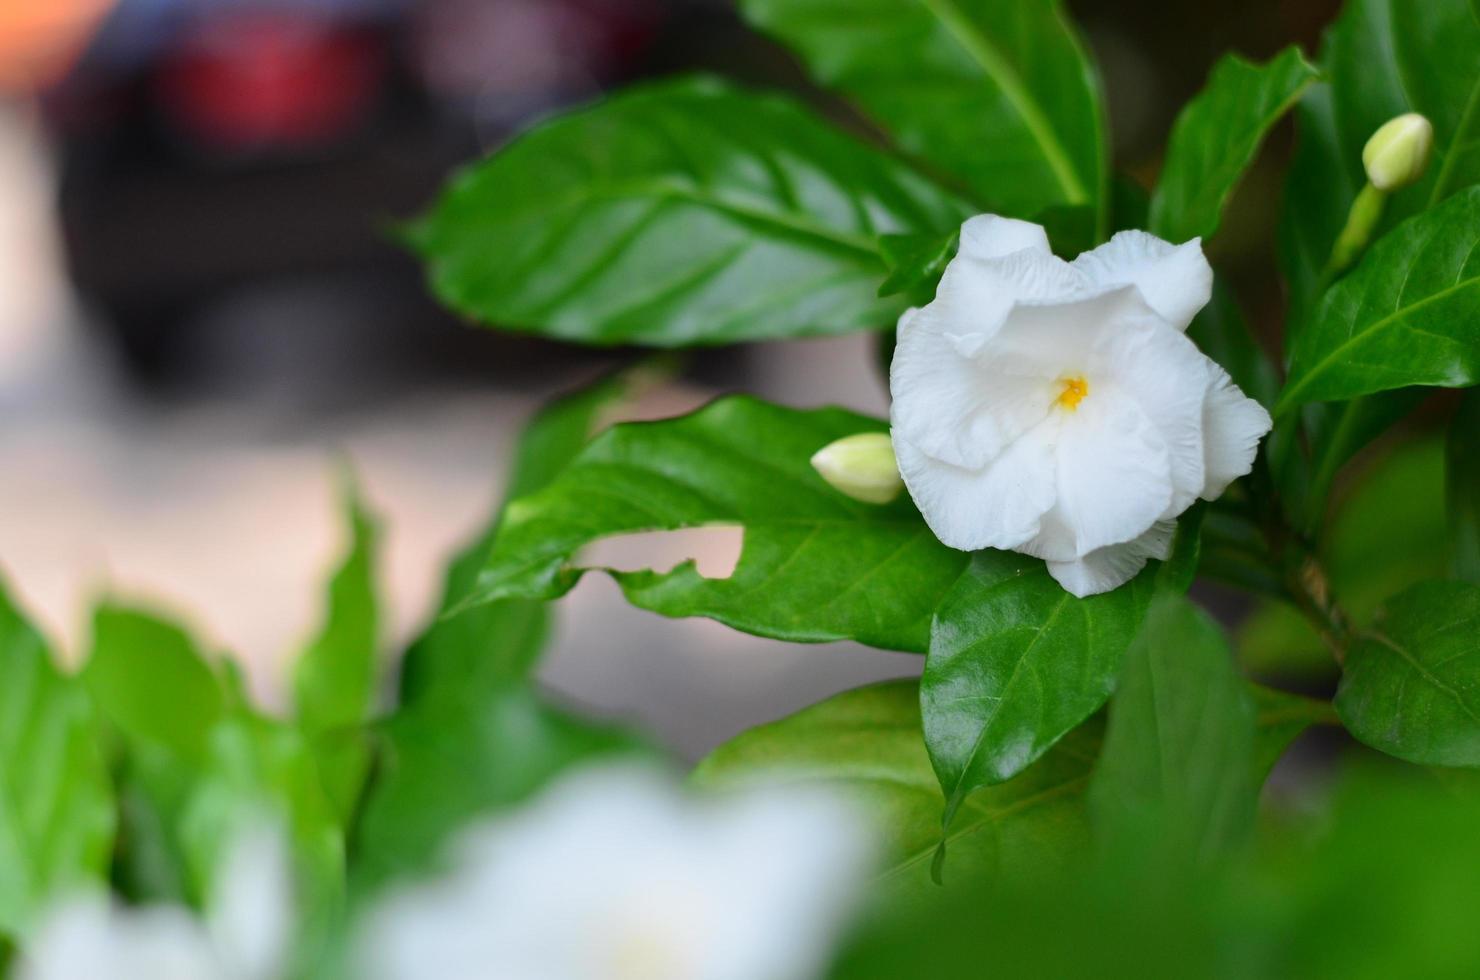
x: 861, y: 466
x: 1398, y: 153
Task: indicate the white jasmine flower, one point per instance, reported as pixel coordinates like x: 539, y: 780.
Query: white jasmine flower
x: 245, y: 936
x: 1058, y: 409
x: 615, y: 875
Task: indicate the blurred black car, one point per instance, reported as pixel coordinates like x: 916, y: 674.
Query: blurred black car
x: 211, y: 150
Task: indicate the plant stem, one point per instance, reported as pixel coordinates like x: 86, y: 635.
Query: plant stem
x: 1361, y: 222
x: 1311, y: 592
x: 1303, y: 578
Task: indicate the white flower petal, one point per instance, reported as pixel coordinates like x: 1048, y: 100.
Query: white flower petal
x: 89, y: 937
x: 906, y: 318
x: 1111, y: 567
x: 1167, y: 376
x: 652, y: 882
x: 1075, y: 336
x: 996, y: 506
x: 1113, y: 479
x: 989, y: 236
x: 1233, y: 424
x: 252, y: 907
x: 1175, y: 279
x: 961, y: 410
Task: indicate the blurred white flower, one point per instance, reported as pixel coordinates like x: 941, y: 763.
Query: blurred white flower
x: 245, y: 935
x: 615, y: 874
x: 1058, y: 409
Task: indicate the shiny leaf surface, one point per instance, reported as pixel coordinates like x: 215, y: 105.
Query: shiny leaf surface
x: 1409, y: 314
x: 684, y: 212
x: 998, y: 93
x: 1016, y: 662
x: 816, y: 565
x: 1411, y: 687
x: 1216, y: 137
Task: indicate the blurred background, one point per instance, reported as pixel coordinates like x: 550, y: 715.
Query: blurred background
x: 201, y: 308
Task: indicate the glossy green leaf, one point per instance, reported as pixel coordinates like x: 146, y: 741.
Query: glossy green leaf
x: 335, y: 679
x: 1381, y: 59
x: 867, y: 742
x: 464, y: 656
x: 1178, y: 762
x: 916, y: 263
x: 1462, y: 469
x: 816, y: 565
x: 1220, y: 331
x: 438, y: 770
x: 1016, y: 662
x: 1409, y: 314
x: 1411, y: 687
x: 1323, y: 180
x: 998, y: 93
x: 1216, y: 137
x: 56, y: 803
x: 1071, y: 228
x: 149, y: 680
x: 684, y: 212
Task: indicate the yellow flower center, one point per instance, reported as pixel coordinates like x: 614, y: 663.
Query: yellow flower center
x: 1075, y: 389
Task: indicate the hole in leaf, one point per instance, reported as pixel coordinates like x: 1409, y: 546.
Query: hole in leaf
x: 715, y: 551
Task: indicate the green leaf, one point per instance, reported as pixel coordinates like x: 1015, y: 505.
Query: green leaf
x: 1220, y: 331
x: 998, y: 93
x: 150, y: 681
x: 1281, y: 718
x: 1216, y: 137
x: 1071, y: 228
x: 336, y: 677
x: 1323, y: 181
x: 1381, y: 885
x: 1447, y: 88
x: 1409, y: 314
x: 196, y: 762
x: 482, y: 648
x: 56, y: 804
x: 1382, y: 58
x: 1016, y: 662
x: 816, y: 565
x: 1338, y: 431
x: 1462, y: 466
x: 867, y: 742
x: 916, y: 263
x: 439, y: 770
x: 1178, y: 762
x: 685, y: 212
x: 261, y: 769
x: 1411, y: 687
